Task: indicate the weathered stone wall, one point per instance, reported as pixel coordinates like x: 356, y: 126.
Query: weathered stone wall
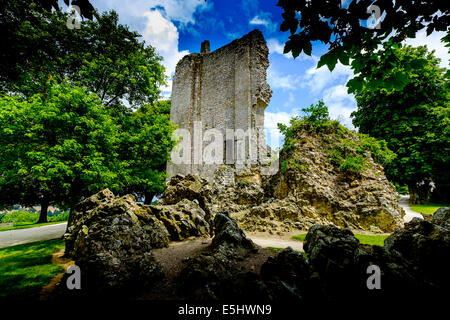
x: 224, y: 90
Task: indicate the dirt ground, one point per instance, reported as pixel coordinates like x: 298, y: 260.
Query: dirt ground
x: 174, y: 258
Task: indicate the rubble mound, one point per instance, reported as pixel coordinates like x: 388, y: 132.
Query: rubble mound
x: 328, y: 176
x: 110, y: 238
x: 183, y: 220
x: 335, y: 269
x: 204, y: 275
x: 190, y: 187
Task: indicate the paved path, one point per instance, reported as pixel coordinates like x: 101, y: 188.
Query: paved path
x: 15, y: 237
x: 404, y: 203
x: 278, y: 243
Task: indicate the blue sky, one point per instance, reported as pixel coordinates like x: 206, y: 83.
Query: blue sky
x: 177, y: 27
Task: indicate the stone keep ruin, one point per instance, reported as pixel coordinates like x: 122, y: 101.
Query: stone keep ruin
x: 218, y: 102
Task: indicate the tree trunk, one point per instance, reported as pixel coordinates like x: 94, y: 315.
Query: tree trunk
x: 419, y: 193
x: 149, y: 197
x: 413, y: 193
x: 44, y: 210
x: 69, y: 221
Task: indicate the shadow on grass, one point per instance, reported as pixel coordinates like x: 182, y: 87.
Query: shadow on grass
x: 26, y: 268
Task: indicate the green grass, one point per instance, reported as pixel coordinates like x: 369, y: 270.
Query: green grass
x: 27, y: 225
x: 372, y: 239
x: 26, y: 268
x: 428, y: 208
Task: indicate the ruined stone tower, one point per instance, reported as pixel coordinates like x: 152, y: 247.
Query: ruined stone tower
x: 218, y: 99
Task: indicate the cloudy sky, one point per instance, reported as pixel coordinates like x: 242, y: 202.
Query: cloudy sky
x: 177, y: 27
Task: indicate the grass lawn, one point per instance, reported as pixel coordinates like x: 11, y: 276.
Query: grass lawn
x: 428, y: 208
x: 26, y: 268
x: 26, y: 225
x: 372, y: 239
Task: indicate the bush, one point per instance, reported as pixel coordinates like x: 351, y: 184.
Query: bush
x: 64, y: 216
x: 20, y: 217
x: 401, y: 189
x: 352, y: 164
x: 346, y: 149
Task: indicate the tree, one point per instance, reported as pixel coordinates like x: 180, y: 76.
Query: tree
x: 338, y: 24
x: 17, y: 47
x: 55, y: 149
x: 145, y: 146
x: 103, y: 55
x: 413, y: 120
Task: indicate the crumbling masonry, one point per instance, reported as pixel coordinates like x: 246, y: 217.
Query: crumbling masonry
x: 224, y: 90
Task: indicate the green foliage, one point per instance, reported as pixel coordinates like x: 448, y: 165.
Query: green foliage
x: 145, y: 145
x: 346, y: 149
x: 56, y: 148
x: 339, y: 27
x: 317, y: 114
x: 401, y: 189
x: 292, y: 164
x: 414, y: 120
x: 352, y: 164
x: 26, y: 268
x: 64, y: 146
x: 20, y: 217
x: 103, y: 56
x: 63, y: 216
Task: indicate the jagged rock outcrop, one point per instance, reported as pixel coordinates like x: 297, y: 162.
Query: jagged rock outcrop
x: 190, y: 187
x: 442, y: 217
x: 203, y: 277
x: 183, y: 220
x: 110, y: 238
x: 310, y: 188
x: 335, y: 271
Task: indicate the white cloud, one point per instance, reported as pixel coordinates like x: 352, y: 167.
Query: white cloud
x: 433, y: 42
x: 290, y: 100
x: 163, y: 35
x: 276, y: 47
x: 264, y: 19
x: 259, y: 21
x: 273, y: 136
x: 181, y: 11
x: 340, y: 104
x: 154, y: 20
x: 318, y: 79
x: 277, y: 80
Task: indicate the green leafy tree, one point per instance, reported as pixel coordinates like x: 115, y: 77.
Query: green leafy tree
x: 414, y: 120
x: 341, y: 25
x: 20, y: 49
x: 346, y: 148
x: 56, y: 149
x: 103, y: 56
x: 146, y: 142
